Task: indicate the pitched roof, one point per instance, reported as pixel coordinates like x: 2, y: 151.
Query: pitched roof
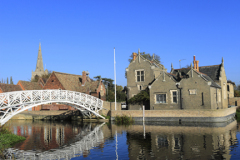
x: 70, y: 82
x: 152, y: 62
x: 212, y: 71
x: 9, y: 87
x: 74, y: 82
x: 30, y: 85
x: 183, y: 71
x: 207, y: 73
x: 213, y: 84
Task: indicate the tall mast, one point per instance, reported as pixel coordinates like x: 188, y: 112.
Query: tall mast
x: 115, y: 80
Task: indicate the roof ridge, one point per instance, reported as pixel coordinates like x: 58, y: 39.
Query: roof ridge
x: 211, y: 65
x: 8, y: 84
x: 67, y: 73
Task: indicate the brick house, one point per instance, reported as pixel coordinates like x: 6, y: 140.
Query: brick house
x: 26, y: 85
x: 79, y: 83
x: 9, y: 88
x: 186, y: 88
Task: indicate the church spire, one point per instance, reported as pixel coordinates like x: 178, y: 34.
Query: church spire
x: 39, y: 66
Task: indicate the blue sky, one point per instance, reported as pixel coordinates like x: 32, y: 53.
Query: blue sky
x: 79, y: 35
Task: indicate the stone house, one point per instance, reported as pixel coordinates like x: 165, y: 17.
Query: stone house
x: 141, y: 72
x: 187, y: 88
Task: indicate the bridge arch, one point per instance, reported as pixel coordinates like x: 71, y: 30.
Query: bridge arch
x: 13, y: 103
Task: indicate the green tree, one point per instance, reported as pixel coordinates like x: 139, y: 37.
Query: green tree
x: 110, y: 90
x: 11, y: 81
x: 97, y: 78
x: 140, y: 98
x: 7, y: 81
x: 147, y: 56
x: 45, y: 76
x: 237, y: 93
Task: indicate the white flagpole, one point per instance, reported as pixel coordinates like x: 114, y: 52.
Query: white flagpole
x: 115, y: 80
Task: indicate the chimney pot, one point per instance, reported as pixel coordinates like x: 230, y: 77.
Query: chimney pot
x: 84, y: 77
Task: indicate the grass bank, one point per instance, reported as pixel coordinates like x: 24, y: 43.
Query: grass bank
x: 7, y: 139
x: 238, y: 114
x: 125, y: 120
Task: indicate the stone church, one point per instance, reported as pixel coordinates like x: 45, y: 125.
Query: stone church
x: 39, y: 71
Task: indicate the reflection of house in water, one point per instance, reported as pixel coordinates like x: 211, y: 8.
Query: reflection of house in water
x: 41, y: 135
x: 181, y: 142
x: 86, y: 138
x: 47, y: 135
x: 60, y: 135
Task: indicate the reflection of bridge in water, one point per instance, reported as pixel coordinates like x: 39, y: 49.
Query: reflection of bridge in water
x: 87, y: 139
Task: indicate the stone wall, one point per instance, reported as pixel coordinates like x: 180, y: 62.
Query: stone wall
x: 201, y: 115
x: 108, y: 106
x: 234, y: 101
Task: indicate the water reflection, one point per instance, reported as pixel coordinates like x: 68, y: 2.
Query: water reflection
x: 52, y: 140
x: 181, y: 142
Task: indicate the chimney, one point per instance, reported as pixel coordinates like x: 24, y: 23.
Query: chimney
x: 84, y: 77
x: 134, y: 56
x: 195, y: 64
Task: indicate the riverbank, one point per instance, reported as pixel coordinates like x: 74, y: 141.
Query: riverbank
x: 8, y: 139
x: 55, y: 116
x: 238, y: 114
x: 190, y: 115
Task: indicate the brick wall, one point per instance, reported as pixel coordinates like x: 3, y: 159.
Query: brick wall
x: 53, y: 83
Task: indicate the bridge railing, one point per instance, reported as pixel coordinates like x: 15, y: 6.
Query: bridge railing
x: 35, y: 96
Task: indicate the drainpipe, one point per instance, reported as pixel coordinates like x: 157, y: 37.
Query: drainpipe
x: 180, y: 91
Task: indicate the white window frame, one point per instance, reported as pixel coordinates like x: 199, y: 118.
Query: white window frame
x: 156, y: 102
x: 171, y: 91
x: 139, y: 70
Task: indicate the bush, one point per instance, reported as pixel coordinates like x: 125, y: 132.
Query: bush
x: 123, y: 120
x: 7, y: 139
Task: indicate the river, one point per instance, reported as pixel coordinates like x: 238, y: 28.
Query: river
x: 78, y: 140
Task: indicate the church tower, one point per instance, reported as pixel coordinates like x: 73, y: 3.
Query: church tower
x: 39, y: 68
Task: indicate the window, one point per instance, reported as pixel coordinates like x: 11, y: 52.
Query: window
x: 140, y: 75
x: 174, y: 96
x: 228, y: 88
x: 160, y: 98
x: 202, y: 99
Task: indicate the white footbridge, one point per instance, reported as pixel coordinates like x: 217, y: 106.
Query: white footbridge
x: 12, y: 103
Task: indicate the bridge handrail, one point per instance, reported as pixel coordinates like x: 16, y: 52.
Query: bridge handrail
x: 9, y: 99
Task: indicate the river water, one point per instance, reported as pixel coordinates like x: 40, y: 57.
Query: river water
x: 78, y: 140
